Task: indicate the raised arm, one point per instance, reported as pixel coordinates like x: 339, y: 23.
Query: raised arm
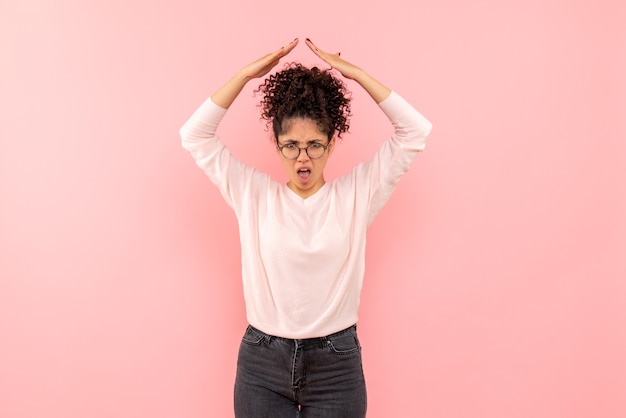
x: 199, y: 137
x: 380, y: 174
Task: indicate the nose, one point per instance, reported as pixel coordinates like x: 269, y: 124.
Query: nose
x: 303, y: 155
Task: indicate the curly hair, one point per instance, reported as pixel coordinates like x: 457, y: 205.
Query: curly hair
x: 301, y: 92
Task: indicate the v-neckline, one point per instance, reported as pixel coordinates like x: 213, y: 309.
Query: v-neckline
x: 307, y: 200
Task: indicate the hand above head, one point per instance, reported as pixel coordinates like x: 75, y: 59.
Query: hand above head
x: 265, y: 64
x: 373, y: 87
x: 346, y: 69
x: 227, y: 94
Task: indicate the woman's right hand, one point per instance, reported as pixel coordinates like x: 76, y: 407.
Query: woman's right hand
x: 227, y: 94
x: 264, y: 64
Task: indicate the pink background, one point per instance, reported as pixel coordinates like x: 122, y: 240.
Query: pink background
x: 496, y: 275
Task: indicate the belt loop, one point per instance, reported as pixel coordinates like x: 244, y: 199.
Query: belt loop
x: 325, y: 341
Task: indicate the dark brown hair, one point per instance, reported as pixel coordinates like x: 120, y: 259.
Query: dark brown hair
x: 311, y: 93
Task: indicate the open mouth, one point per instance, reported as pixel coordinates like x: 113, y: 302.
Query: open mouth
x: 304, y: 174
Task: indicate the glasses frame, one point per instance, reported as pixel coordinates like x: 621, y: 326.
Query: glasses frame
x: 306, y: 149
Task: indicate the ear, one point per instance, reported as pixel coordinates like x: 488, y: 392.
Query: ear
x: 331, y: 145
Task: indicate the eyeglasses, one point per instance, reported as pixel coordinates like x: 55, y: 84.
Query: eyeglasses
x: 292, y: 151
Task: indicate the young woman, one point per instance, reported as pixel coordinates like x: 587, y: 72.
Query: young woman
x: 303, y: 242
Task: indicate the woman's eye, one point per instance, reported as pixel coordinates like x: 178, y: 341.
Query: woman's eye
x: 315, y: 146
x: 291, y: 146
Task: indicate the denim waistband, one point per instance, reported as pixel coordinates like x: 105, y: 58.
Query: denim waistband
x: 303, y: 341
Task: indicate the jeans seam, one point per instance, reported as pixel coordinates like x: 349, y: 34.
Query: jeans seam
x: 295, y: 388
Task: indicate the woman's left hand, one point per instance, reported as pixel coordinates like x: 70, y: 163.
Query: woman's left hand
x: 373, y: 87
x: 346, y: 69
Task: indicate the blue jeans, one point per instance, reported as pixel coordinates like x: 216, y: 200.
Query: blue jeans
x: 310, y: 378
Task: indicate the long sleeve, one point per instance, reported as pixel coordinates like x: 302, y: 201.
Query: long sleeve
x: 199, y: 138
x: 381, y: 174
x: 231, y: 176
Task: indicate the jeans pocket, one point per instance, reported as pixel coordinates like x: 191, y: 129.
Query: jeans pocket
x: 252, y: 337
x: 344, y: 343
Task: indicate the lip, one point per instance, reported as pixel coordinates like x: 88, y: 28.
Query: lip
x: 301, y: 180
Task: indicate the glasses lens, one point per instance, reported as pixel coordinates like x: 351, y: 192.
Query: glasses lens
x: 315, y: 150
x: 290, y: 152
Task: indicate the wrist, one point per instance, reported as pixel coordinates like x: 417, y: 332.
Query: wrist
x: 374, y: 88
x: 241, y: 77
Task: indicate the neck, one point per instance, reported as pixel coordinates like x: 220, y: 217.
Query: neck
x: 306, y: 193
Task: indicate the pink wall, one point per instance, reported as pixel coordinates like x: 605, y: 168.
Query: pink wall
x: 495, y: 284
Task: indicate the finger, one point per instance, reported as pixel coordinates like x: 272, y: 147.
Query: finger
x: 284, y: 50
x: 312, y: 46
x: 287, y: 48
x: 328, y: 58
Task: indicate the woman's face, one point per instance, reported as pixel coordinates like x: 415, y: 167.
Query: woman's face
x: 306, y: 175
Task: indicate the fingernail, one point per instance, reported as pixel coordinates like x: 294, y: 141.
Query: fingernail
x: 309, y: 40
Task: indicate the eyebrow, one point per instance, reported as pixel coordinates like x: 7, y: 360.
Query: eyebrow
x: 293, y: 141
